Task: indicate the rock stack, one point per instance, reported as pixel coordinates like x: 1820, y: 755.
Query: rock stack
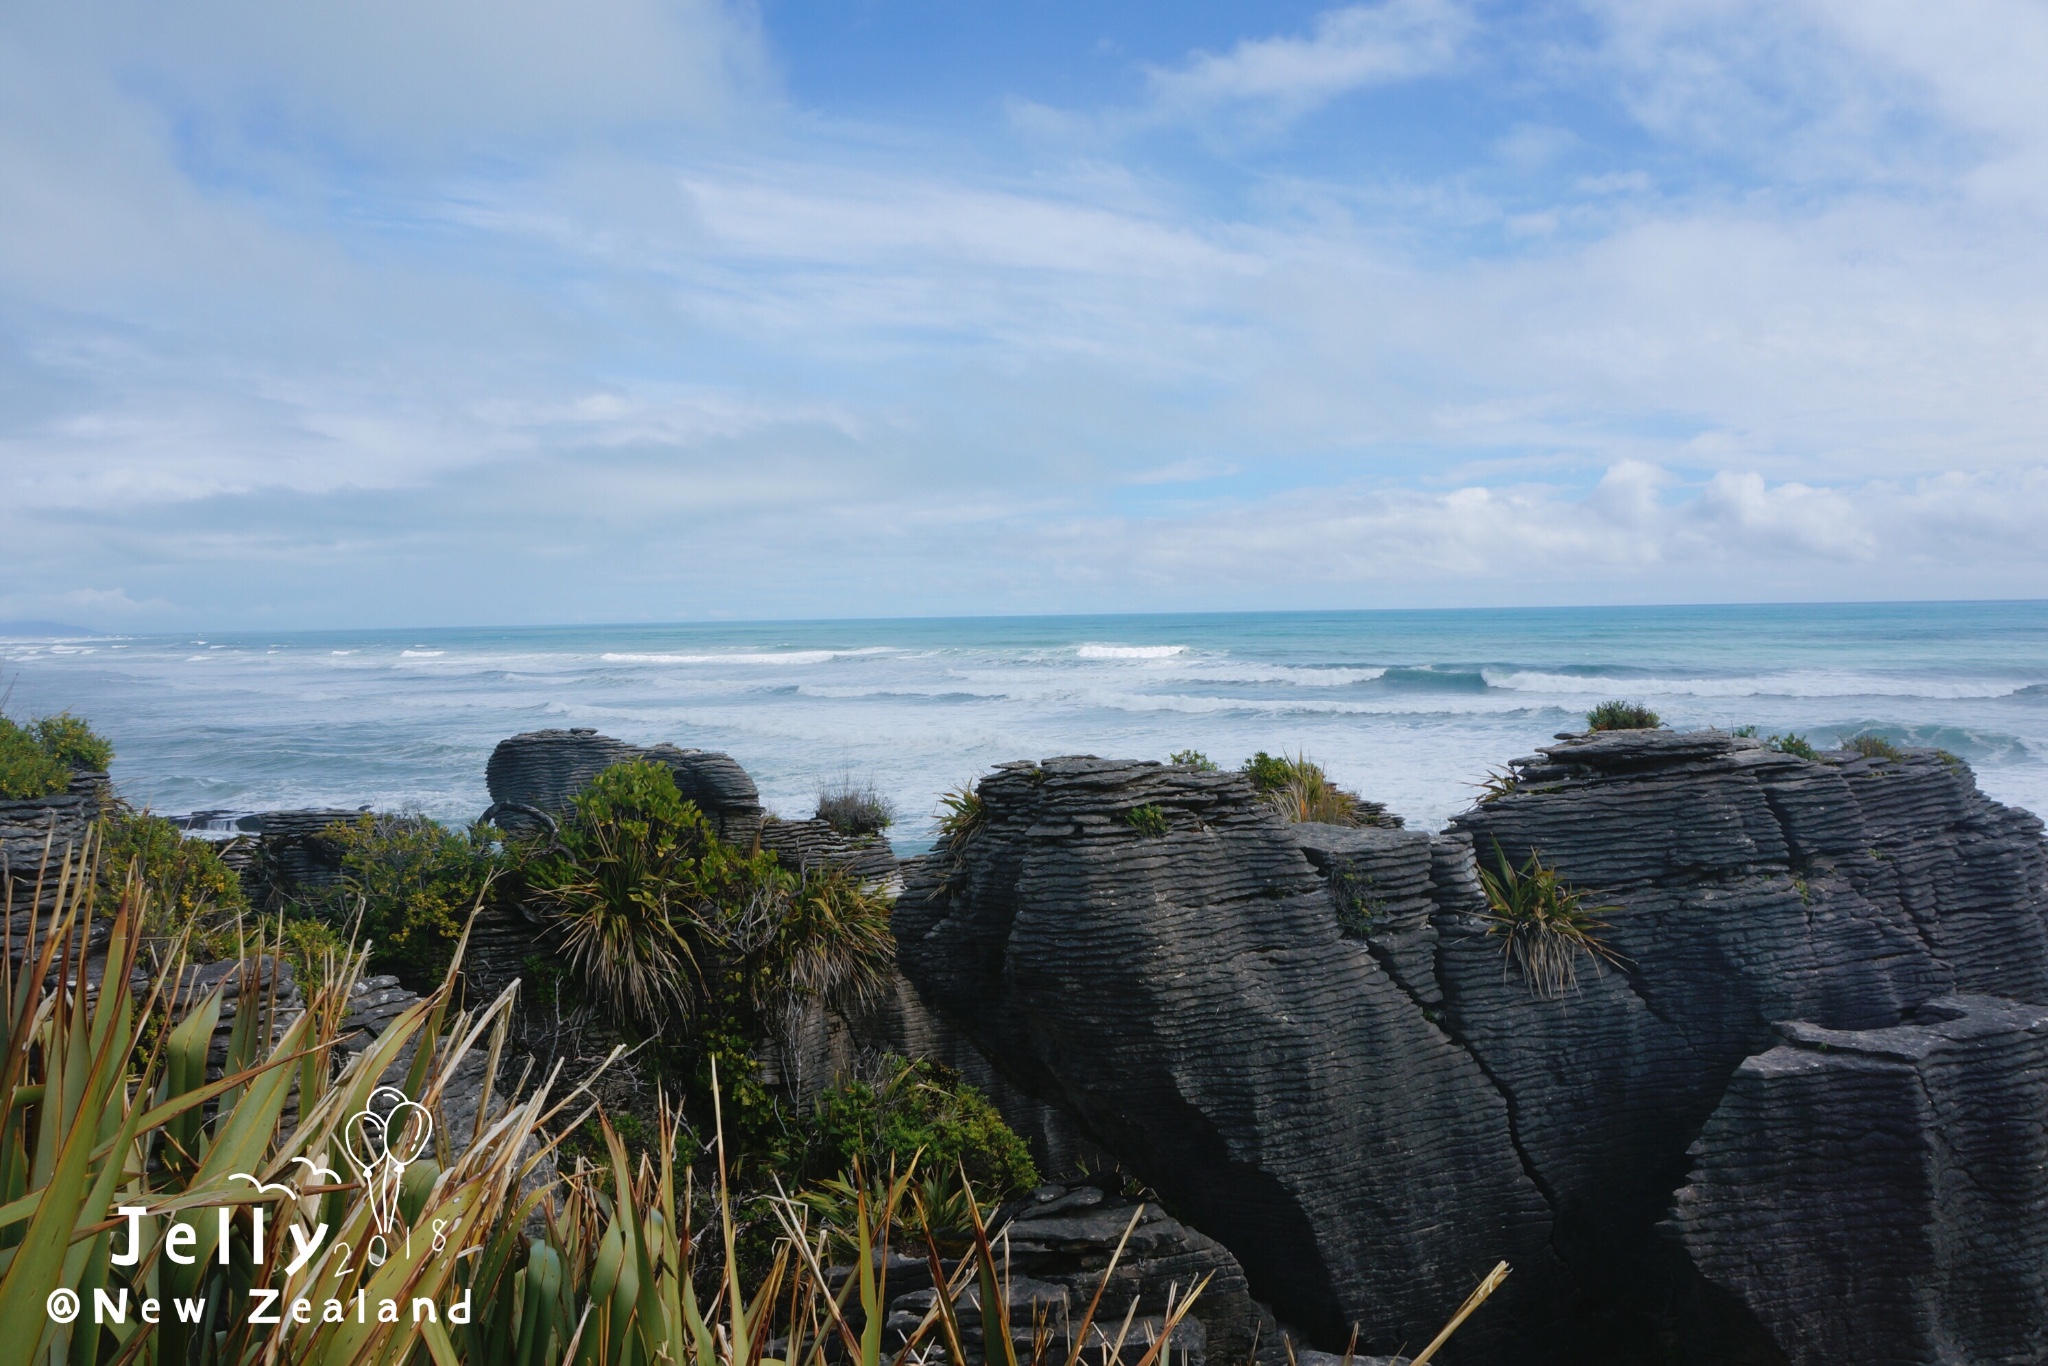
x: 1309, y: 1040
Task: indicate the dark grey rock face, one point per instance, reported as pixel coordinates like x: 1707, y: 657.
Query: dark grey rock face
x: 1742, y: 887
x: 1879, y: 1195
x: 39, y: 835
x: 1190, y: 1000
x: 545, y: 769
x: 1308, y: 1038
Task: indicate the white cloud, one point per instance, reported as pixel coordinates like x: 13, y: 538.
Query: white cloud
x: 1349, y: 48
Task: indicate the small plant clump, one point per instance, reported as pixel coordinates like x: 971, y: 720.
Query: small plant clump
x: 1495, y: 785
x: 1544, y: 924
x: 907, y: 1108
x: 962, y: 813
x: 408, y: 886
x: 1875, y: 747
x: 1192, y: 758
x: 39, y: 758
x: 855, y: 808
x: 188, y: 882
x: 1795, y: 745
x: 1302, y: 792
x: 1618, y: 715
x: 1148, y: 820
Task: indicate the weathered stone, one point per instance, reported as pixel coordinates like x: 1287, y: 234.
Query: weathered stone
x: 545, y: 769
x: 1297, y: 1034
x: 1882, y: 1194
x: 1191, y: 1000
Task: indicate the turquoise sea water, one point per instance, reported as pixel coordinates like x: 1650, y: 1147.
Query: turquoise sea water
x: 1410, y: 708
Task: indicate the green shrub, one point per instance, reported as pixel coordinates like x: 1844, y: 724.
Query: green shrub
x: 1148, y: 820
x: 187, y: 880
x: 911, y: 1108
x: 661, y: 920
x: 1795, y: 745
x: 27, y: 770
x: 1544, y: 924
x: 1192, y: 758
x: 1744, y: 732
x: 624, y: 887
x: 1301, y: 792
x: 73, y: 743
x: 39, y: 758
x: 413, y: 882
x: 1875, y: 747
x: 1267, y: 773
x: 855, y: 808
x: 961, y: 814
x: 1622, y: 716
x: 316, y: 951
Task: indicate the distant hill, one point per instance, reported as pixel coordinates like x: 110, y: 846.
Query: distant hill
x: 55, y: 629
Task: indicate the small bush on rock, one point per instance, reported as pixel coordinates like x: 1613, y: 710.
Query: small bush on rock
x: 414, y: 883
x: 1544, y: 925
x: 909, y: 1108
x: 1622, y: 716
x: 1194, y: 759
x: 27, y: 770
x: 855, y: 808
x: 1875, y: 747
x: 1795, y: 745
x: 1301, y: 792
x: 38, y: 759
x: 1148, y: 820
x: 188, y: 881
x: 961, y: 814
x: 73, y: 743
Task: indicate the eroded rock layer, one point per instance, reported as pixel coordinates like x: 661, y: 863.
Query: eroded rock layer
x: 1310, y: 1040
x: 1893, y: 1175
x: 1146, y: 947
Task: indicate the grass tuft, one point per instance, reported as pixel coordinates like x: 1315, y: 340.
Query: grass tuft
x: 1618, y: 715
x: 1874, y: 747
x: 855, y: 808
x: 1148, y: 820
x: 1302, y: 793
x: 1545, y: 925
x: 962, y: 814
x: 1796, y: 746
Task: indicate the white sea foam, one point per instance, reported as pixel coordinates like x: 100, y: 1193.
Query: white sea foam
x: 421, y: 654
x: 744, y: 657
x: 1814, y: 684
x: 1130, y: 651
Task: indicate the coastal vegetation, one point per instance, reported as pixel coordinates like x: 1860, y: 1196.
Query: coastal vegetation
x: 855, y: 807
x: 1795, y: 745
x: 1300, y: 790
x: 1619, y: 715
x: 1147, y: 819
x: 1545, y: 925
x: 408, y: 885
x: 107, y: 1105
x: 1874, y: 747
x: 40, y: 758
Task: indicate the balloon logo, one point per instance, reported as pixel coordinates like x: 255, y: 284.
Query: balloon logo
x: 381, y: 1146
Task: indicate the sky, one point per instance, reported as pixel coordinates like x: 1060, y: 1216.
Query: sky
x: 451, y: 312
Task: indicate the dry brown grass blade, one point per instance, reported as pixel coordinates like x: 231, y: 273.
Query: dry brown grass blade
x: 1465, y: 1310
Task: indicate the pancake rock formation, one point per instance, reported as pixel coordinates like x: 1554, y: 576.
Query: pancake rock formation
x: 1308, y: 1040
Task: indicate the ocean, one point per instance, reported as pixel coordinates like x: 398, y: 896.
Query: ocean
x: 1411, y: 708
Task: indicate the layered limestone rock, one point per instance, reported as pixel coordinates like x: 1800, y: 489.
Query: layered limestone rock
x: 1191, y: 1000
x: 38, y: 835
x: 1893, y: 1176
x: 545, y: 769
x: 1298, y: 1033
